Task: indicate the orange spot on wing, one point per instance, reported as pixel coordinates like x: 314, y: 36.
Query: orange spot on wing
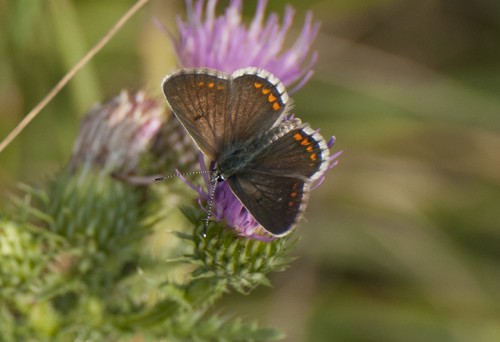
x: 201, y: 84
x: 257, y: 85
x: 297, y: 136
x: 290, y: 204
x: 211, y: 84
x: 219, y: 87
x: 276, y: 106
x: 309, y: 148
x: 272, y: 98
x: 293, y: 194
x: 313, y: 156
x: 266, y: 91
x: 305, y: 142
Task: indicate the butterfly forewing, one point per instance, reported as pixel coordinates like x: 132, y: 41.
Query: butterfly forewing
x: 200, y: 100
x: 218, y: 109
x: 258, y: 100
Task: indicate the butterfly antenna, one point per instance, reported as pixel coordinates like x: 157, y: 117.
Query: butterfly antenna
x: 162, y: 178
x: 214, y: 181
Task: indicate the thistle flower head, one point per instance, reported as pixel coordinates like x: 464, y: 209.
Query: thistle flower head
x: 240, y: 264
x: 225, y: 43
x: 115, y: 134
x: 227, y: 207
x: 173, y: 147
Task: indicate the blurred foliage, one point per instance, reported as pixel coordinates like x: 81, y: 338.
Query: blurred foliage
x: 76, y: 266
x: 402, y: 241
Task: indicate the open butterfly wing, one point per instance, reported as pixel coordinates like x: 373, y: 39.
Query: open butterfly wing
x: 200, y: 100
x: 258, y: 100
x: 274, y: 185
x: 276, y: 202
x: 218, y: 109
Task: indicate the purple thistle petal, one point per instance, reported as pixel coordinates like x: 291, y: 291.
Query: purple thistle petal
x: 304, y: 79
x: 203, y: 168
x: 335, y: 155
x: 211, y: 12
x: 225, y: 43
x: 318, y: 183
x: 331, y: 142
x: 257, y: 19
x: 187, y: 182
x: 333, y: 161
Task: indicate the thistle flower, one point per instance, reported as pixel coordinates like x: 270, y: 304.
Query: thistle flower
x: 90, y: 211
x: 225, y: 43
x: 115, y: 134
x: 173, y: 147
x: 227, y: 207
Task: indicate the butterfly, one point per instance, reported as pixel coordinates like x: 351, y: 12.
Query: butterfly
x: 239, y: 121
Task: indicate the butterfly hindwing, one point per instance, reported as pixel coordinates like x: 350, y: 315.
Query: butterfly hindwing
x: 276, y: 202
x: 293, y: 149
x: 274, y: 184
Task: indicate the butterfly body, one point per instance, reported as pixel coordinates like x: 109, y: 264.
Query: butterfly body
x: 237, y: 120
x: 234, y: 159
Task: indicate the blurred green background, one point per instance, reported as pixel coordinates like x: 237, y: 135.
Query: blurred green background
x: 402, y: 241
